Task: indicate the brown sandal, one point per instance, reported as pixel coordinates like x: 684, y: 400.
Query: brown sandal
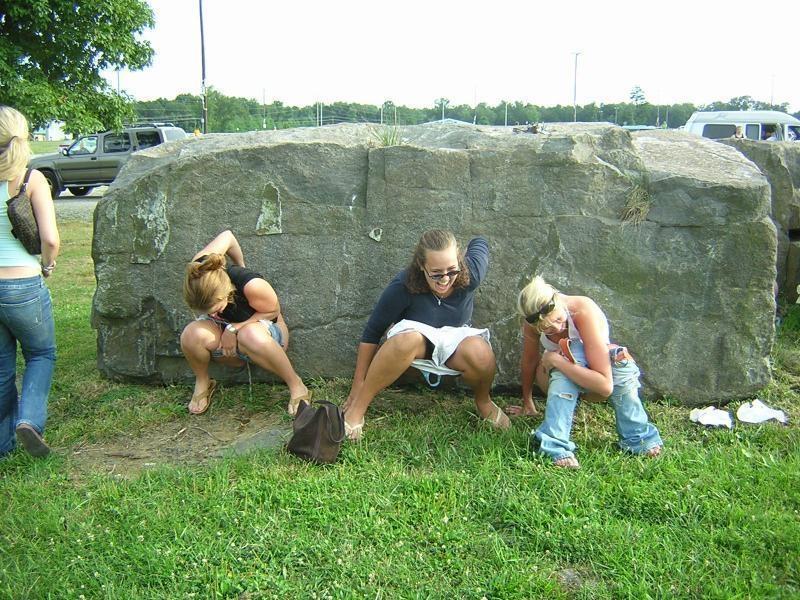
x: 201, y: 397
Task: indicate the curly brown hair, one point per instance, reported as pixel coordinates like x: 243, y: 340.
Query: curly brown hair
x: 207, y: 283
x: 434, y: 240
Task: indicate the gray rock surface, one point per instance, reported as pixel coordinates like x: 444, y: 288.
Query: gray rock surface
x: 780, y: 163
x: 328, y: 215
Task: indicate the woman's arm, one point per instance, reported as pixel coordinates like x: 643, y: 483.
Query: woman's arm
x: 262, y: 298
x: 529, y: 363
x: 591, y: 324
x: 224, y: 243
x: 45, y: 212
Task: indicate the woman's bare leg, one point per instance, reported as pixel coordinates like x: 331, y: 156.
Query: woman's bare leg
x: 256, y: 342
x: 475, y: 359
x: 198, y: 340
x: 391, y: 361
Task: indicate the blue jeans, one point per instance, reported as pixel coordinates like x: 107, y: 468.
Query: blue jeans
x: 273, y: 329
x: 26, y: 315
x: 636, y: 433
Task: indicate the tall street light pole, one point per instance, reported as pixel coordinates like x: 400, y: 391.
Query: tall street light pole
x: 575, y: 89
x: 203, y: 63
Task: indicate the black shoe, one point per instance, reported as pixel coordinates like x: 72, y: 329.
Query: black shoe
x: 32, y: 441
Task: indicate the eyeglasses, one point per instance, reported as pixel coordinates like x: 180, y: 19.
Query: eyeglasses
x: 545, y: 310
x: 438, y: 276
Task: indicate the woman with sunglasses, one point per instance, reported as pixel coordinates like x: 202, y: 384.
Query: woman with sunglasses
x: 240, y: 321
x: 578, y: 361
x: 429, y: 308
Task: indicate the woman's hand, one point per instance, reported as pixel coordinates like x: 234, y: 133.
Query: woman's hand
x: 528, y: 408
x: 553, y: 360
x: 228, y: 343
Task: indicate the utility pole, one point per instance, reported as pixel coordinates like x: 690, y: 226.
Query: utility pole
x: 575, y: 90
x: 203, y: 62
x: 506, y: 113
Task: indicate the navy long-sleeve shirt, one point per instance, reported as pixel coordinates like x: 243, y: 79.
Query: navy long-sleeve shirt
x: 397, y: 302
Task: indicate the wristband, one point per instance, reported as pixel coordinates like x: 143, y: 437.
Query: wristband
x: 231, y: 328
x: 48, y: 268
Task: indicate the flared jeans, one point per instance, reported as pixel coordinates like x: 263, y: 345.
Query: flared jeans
x: 26, y: 316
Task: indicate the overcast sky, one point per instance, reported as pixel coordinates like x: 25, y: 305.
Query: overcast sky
x: 416, y: 51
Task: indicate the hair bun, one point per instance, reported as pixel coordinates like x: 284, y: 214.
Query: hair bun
x: 210, y: 262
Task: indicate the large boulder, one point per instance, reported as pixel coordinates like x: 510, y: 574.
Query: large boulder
x: 780, y: 163
x: 330, y: 214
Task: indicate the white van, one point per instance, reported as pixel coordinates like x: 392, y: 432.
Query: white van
x: 756, y: 124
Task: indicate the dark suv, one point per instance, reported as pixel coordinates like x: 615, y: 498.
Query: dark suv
x: 94, y: 160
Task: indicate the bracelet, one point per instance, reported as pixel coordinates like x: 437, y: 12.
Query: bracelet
x: 231, y: 328
x: 48, y: 268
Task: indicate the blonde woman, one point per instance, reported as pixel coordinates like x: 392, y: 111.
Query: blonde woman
x: 240, y: 321
x: 26, y: 313
x: 578, y: 361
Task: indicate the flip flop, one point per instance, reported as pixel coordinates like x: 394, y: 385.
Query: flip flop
x: 500, y: 419
x: 566, y: 351
x: 294, y: 403
x: 203, y: 396
x: 354, y: 433
x: 32, y: 441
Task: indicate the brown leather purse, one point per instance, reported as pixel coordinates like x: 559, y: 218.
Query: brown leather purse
x: 318, y: 432
x: 23, y: 220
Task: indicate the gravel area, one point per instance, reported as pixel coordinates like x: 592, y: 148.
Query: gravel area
x: 72, y: 208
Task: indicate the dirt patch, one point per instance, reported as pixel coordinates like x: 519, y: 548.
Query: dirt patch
x: 188, y: 441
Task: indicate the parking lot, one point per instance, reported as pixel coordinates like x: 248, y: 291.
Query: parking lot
x: 73, y: 208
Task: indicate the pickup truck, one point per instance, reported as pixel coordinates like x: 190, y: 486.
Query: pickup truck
x: 94, y: 160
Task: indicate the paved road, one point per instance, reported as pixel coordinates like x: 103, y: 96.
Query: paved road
x: 73, y: 208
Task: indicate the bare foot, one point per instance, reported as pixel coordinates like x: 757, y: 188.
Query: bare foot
x: 522, y: 411
x: 653, y: 452
x: 568, y: 462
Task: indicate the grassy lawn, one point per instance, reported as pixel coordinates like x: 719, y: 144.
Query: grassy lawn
x: 45, y: 147
x: 431, y: 505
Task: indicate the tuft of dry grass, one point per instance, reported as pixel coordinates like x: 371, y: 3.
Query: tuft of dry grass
x: 637, y: 204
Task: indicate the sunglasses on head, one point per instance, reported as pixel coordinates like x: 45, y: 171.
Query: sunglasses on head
x: 545, y: 310
x: 438, y: 276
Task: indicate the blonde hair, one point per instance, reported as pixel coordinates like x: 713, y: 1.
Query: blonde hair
x: 207, y: 283
x: 15, y: 152
x: 536, y: 296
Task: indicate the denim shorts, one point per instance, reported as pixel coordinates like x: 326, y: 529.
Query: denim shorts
x: 272, y: 328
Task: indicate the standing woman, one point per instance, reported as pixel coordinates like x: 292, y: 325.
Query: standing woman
x: 578, y: 360
x: 429, y: 308
x: 26, y: 313
x: 240, y: 321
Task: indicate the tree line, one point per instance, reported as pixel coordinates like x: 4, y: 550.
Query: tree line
x: 49, y: 76
x: 231, y: 114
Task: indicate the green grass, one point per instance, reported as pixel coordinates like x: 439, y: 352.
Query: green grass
x: 45, y: 147
x: 431, y: 505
